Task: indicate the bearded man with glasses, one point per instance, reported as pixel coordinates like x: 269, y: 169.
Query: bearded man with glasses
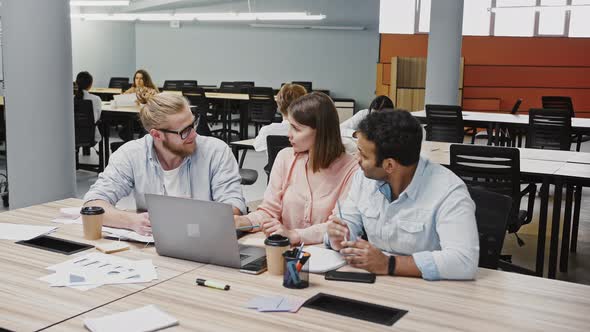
x: 170, y: 160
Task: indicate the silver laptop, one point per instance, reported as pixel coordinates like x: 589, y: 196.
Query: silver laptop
x: 199, y: 231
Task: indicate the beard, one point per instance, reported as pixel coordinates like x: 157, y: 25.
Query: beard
x: 181, y: 150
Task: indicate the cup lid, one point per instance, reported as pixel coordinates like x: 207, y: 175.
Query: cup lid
x: 91, y: 210
x: 277, y: 240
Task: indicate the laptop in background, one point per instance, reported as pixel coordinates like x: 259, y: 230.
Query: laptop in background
x: 200, y: 231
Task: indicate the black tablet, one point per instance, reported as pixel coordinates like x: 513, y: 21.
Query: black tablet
x: 54, y: 244
x: 370, y: 312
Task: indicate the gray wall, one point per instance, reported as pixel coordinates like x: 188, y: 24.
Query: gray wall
x: 340, y: 61
x: 105, y: 49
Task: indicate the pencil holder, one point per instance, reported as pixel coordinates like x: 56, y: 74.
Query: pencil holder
x: 295, y: 275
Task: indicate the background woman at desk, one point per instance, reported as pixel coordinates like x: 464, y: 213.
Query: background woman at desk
x: 141, y: 79
x: 307, y: 179
x: 84, y: 83
x: 287, y: 94
x: 349, y: 126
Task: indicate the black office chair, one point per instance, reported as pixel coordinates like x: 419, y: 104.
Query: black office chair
x: 492, y: 211
x: 444, y: 123
x: 119, y: 82
x: 496, y: 169
x: 3, y: 177
x: 262, y: 107
x: 549, y: 129
x: 84, y: 133
x: 198, y: 99
x: 179, y: 85
x: 274, y: 144
x: 306, y: 84
x: 566, y: 104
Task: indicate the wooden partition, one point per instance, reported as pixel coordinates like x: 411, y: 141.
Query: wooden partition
x: 407, y: 82
x: 499, y: 70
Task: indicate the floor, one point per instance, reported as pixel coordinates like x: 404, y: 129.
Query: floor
x: 579, y: 263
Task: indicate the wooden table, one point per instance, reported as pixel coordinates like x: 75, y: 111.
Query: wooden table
x: 112, y: 91
x: 496, y: 301
x: 28, y: 304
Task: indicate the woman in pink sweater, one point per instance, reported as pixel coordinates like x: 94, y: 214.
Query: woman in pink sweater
x: 307, y: 179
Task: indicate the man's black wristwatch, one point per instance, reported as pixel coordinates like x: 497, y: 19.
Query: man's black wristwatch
x: 391, y: 270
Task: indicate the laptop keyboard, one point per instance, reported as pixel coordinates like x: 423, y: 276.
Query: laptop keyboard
x: 243, y: 256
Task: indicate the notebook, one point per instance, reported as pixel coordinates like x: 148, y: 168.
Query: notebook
x: 144, y: 319
x: 323, y: 260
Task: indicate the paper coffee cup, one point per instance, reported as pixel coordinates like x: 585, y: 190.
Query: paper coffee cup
x: 276, y: 245
x: 92, y: 222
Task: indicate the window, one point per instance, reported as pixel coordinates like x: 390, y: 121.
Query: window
x: 424, y: 20
x: 518, y: 21
x: 579, y: 18
x: 552, y: 20
x: 476, y: 17
x: 397, y: 16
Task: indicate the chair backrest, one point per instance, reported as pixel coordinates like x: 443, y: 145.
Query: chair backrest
x: 119, y: 82
x: 2, y: 124
x: 244, y: 86
x: 444, y: 123
x: 274, y: 144
x: 494, y: 168
x: 84, y: 123
x: 262, y: 106
x: 180, y: 85
x: 307, y: 85
x: 516, y: 106
x: 549, y: 129
x: 491, y: 214
x: 558, y: 103
x: 203, y: 128
x: 197, y: 98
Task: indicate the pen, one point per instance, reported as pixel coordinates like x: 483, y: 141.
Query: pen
x: 247, y: 228
x: 212, y: 284
x: 342, y: 219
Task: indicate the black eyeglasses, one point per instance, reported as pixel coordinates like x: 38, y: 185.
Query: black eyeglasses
x: 185, y: 132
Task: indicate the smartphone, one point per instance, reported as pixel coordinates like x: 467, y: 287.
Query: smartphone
x: 54, y: 244
x: 255, y: 267
x: 368, y: 278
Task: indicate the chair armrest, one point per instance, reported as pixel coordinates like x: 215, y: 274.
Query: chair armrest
x: 531, y: 191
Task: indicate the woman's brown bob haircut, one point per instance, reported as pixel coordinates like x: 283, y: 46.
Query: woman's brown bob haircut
x: 317, y: 110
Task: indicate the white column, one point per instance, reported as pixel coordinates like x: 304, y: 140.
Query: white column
x: 39, y: 109
x: 444, y: 52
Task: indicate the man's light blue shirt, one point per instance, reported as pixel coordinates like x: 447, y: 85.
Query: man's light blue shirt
x: 433, y: 220
x: 211, y: 173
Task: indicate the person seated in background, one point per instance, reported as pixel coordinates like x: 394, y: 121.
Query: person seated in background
x: 141, y: 79
x: 307, y: 179
x: 142, y: 84
x: 287, y: 94
x: 84, y: 83
x: 349, y: 126
x: 171, y: 160
x: 417, y: 211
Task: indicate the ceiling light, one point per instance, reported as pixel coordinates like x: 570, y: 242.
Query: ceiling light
x: 205, y: 17
x: 312, y: 27
x: 99, y: 3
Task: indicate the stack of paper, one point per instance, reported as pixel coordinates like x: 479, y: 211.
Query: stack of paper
x: 19, y: 232
x: 72, y: 216
x: 97, y: 269
x: 275, y: 303
x: 148, y: 318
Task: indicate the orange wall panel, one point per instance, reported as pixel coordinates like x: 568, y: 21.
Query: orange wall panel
x: 507, y: 68
x: 386, y: 73
x: 503, y: 76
